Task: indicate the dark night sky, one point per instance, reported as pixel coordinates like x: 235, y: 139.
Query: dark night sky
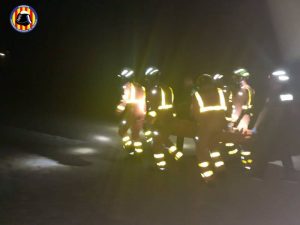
x: 68, y: 63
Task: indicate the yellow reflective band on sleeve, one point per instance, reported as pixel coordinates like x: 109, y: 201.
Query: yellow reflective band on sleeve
x: 233, y: 152
x: 204, y: 108
x: 229, y: 144
x: 244, y: 161
x: 172, y: 149
x: 178, y: 155
x: 121, y: 107
x: 128, y: 143
x: 215, y: 154
x: 125, y: 139
x: 207, y: 174
x: 250, y: 161
x: 161, y: 164
x: 219, y: 164
x: 244, y: 153
x: 152, y: 114
x: 203, y: 164
x: 159, y: 156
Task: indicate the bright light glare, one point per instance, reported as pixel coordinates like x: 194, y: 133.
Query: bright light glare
x: 124, y: 72
x: 2, y: 54
x: 283, y: 78
x: 286, y: 97
x: 83, y: 151
x: 36, y: 162
x: 129, y: 74
x: 218, y: 77
x: 279, y: 73
x: 149, y: 70
x: 154, y: 71
x: 102, y: 138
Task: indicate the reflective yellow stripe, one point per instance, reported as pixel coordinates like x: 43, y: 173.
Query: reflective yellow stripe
x: 245, y: 153
x: 162, y: 163
x: 164, y: 104
x: 149, y: 140
x: 148, y: 132
x: 138, y: 150
x: 233, y: 152
x: 121, y: 107
x: 125, y: 139
x: 229, y: 144
x: 250, y: 161
x: 215, y: 154
x: 172, y: 149
x: 172, y: 94
x: 137, y: 144
x: 204, y: 108
x: 159, y: 156
x: 249, y: 103
x: 152, y: 114
x: 178, y: 155
x: 207, y: 174
x: 128, y: 143
x: 203, y: 164
x: 219, y: 164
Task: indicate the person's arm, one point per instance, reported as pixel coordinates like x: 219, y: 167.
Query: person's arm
x: 122, y: 104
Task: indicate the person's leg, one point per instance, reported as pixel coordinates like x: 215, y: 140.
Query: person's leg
x: 180, y: 143
x: 158, y: 151
x: 124, y: 126
x: 203, y: 156
x: 137, y: 126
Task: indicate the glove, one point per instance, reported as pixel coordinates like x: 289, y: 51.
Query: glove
x: 254, y: 130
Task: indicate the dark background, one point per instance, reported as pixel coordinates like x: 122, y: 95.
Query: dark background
x: 68, y: 64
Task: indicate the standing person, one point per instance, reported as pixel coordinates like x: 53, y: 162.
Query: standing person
x: 242, y: 112
x: 208, y: 110
x: 160, y: 112
x: 272, y: 125
x: 133, y: 108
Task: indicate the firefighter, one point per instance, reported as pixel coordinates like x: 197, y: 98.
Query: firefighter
x: 160, y: 99
x: 208, y: 110
x: 228, y: 149
x: 272, y: 124
x: 242, y: 112
x: 133, y: 108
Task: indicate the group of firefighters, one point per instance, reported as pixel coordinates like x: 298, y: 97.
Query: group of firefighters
x: 219, y: 114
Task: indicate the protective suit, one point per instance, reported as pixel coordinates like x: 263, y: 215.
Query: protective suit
x: 160, y: 112
x: 208, y: 110
x: 133, y: 108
